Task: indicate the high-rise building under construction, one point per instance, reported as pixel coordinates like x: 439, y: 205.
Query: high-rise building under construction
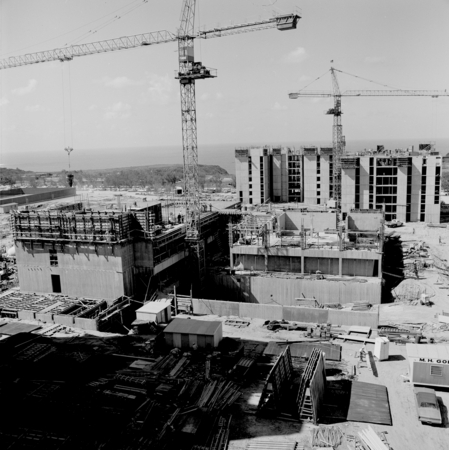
x: 406, y: 184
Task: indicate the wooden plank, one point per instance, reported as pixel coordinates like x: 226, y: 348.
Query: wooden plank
x: 351, y: 337
x: 360, y: 330
x: 372, y: 363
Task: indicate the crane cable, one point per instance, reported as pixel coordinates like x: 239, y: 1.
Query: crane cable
x: 316, y: 79
x: 370, y: 81
x: 68, y: 32
x: 67, y: 111
x: 111, y: 20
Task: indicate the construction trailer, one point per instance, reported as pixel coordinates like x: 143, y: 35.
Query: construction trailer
x: 190, y: 333
x: 157, y: 311
x: 428, y: 364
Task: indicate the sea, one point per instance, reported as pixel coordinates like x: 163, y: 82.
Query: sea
x: 209, y: 154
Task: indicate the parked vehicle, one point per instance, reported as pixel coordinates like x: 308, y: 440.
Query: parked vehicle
x: 427, y: 405
x: 395, y: 223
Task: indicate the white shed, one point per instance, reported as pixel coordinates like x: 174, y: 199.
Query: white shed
x: 185, y: 333
x: 428, y: 364
x: 158, y: 311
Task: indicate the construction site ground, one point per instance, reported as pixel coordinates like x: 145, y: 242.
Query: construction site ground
x: 406, y: 433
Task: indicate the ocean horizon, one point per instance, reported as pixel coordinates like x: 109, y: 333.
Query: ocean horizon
x: 208, y: 154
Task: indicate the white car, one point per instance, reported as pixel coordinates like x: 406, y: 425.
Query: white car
x: 427, y: 405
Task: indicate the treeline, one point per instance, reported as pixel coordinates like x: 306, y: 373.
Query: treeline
x: 10, y: 177
x: 151, y: 177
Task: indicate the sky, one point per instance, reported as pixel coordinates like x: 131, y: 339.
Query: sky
x: 131, y: 99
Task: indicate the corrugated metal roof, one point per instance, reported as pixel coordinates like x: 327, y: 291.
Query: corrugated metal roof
x: 154, y: 307
x: 192, y: 326
x: 428, y: 351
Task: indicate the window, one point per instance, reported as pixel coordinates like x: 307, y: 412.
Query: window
x: 53, y: 258
x: 436, y: 371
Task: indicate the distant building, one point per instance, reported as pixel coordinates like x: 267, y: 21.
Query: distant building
x: 406, y: 184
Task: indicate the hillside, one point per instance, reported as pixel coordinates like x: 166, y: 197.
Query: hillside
x: 137, y: 176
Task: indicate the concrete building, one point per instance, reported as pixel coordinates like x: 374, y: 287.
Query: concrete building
x: 109, y: 254
x: 95, y: 254
x: 405, y: 184
x: 282, y: 256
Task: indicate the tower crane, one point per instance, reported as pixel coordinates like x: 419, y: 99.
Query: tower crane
x: 338, y: 140
x: 189, y: 71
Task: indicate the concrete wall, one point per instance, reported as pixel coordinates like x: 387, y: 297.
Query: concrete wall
x: 83, y: 272
x: 347, y: 189
x: 292, y: 259
x: 279, y: 312
x: 316, y: 220
x: 369, y: 221
x: 285, y: 291
x: 310, y: 179
x: 35, y: 195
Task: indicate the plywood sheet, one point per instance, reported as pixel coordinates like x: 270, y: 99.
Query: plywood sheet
x: 369, y: 403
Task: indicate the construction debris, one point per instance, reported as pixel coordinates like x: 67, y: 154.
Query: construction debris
x: 372, y: 440
x: 327, y: 436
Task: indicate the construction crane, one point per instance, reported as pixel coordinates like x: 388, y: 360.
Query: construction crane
x: 189, y: 71
x: 338, y: 140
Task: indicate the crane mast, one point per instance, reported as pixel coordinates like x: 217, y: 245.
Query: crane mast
x: 338, y: 140
x: 338, y: 143
x: 189, y: 71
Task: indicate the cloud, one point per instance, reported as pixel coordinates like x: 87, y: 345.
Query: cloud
x: 27, y: 89
x: 159, y: 88
x: 295, y: 56
x: 33, y: 108
x: 278, y: 107
x: 92, y: 107
x: 374, y: 59
x: 3, y: 101
x: 120, y: 82
x: 118, y: 110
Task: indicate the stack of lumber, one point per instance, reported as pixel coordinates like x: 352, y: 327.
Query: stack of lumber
x: 165, y: 364
x: 324, y: 436
x: 217, y: 395
x: 361, y: 306
x: 179, y: 367
x: 371, y: 440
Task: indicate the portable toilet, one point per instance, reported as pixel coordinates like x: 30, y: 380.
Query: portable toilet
x: 382, y: 348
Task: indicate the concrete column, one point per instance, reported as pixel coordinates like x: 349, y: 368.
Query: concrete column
x: 340, y: 265
x: 302, y: 263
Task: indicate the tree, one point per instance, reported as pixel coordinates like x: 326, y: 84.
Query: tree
x: 216, y: 181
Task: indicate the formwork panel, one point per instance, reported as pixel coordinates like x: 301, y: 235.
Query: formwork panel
x: 45, y: 317
x: 367, y: 319
x: 27, y: 315
x: 309, y: 315
x: 218, y: 307
x: 86, y: 324
x: 63, y: 319
x: 254, y: 310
